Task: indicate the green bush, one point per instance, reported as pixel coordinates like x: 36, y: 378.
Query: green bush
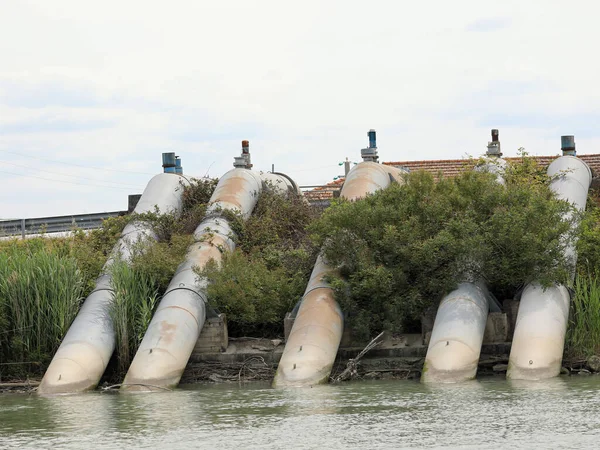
x: 159, y: 260
x: 254, y: 297
x: 198, y: 192
x: 267, y: 273
x: 400, y: 250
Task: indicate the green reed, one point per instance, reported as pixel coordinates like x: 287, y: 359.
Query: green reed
x: 134, y: 299
x: 583, y: 334
x: 40, y: 294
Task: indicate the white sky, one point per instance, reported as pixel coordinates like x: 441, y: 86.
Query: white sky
x: 113, y: 84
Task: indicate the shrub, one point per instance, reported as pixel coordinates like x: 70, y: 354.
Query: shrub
x: 400, y: 250
x: 198, y: 192
x: 254, y: 297
x: 159, y: 260
x: 267, y: 273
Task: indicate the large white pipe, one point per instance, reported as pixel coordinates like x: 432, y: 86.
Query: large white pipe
x: 87, y: 347
x: 178, y: 321
x: 455, y: 344
x: 539, y: 337
x: 315, y: 337
x: 457, y: 335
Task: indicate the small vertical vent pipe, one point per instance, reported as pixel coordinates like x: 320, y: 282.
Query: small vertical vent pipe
x: 169, y: 162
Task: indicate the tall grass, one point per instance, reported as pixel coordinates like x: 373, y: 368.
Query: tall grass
x: 583, y: 335
x: 134, y: 299
x: 40, y: 294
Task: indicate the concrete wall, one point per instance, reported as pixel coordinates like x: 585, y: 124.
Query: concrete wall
x: 214, y: 337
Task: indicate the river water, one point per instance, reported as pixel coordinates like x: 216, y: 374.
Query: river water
x: 489, y: 413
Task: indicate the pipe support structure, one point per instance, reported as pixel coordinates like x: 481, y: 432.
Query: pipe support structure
x: 315, y: 337
x: 172, y: 334
x: 539, y: 338
x: 87, y: 347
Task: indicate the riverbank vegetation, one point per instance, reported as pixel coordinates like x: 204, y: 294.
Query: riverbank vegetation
x: 40, y: 294
x: 397, y: 253
x: 265, y: 276
x: 43, y: 282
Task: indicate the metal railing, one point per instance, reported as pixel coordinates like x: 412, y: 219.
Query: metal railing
x: 58, y: 224
x: 63, y: 224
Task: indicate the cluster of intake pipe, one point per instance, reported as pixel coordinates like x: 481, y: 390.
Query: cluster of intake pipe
x: 538, y: 342
x: 312, y: 346
x: 172, y: 334
x: 88, y: 346
x: 163, y: 354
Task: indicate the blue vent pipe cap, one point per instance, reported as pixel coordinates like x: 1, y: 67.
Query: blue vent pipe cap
x: 567, y: 145
x: 168, y: 160
x: 372, y: 139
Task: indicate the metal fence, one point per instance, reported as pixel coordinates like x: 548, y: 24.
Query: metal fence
x: 58, y: 224
x: 63, y: 224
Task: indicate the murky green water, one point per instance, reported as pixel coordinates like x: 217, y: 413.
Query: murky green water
x: 491, y: 413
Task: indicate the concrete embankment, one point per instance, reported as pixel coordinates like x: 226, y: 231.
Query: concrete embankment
x: 253, y: 359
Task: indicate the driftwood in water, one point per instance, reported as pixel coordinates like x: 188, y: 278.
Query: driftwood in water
x: 350, y: 369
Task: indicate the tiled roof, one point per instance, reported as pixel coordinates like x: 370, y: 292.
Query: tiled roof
x: 452, y: 167
x: 325, y: 192
x: 448, y: 167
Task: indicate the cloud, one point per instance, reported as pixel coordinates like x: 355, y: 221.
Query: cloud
x: 106, y: 86
x: 551, y: 125
x: 49, y: 124
x: 489, y: 25
x: 45, y: 94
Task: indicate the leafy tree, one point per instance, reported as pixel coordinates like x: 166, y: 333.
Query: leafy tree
x: 400, y: 250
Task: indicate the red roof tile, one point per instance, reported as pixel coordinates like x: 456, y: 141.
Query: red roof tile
x: 448, y: 167
x: 452, y: 167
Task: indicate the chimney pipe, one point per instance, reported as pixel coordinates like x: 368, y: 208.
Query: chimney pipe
x: 493, y: 147
x: 495, y: 135
x: 169, y: 163
x: 243, y: 161
x: 567, y: 145
x: 370, y: 153
x: 372, y: 138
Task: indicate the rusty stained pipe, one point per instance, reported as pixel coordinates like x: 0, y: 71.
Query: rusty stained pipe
x: 178, y: 321
x: 315, y: 337
x: 87, y: 347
